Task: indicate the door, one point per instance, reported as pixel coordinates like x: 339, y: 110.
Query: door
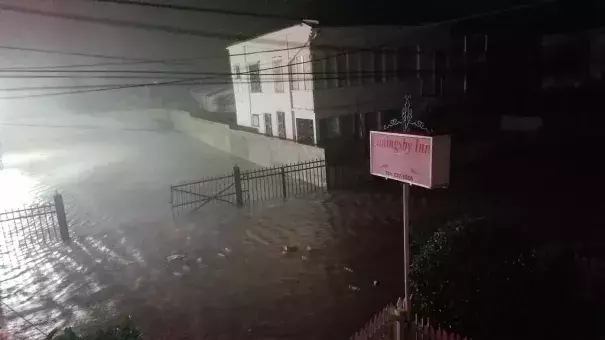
x: 268, y: 125
x: 281, y: 124
x: 304, y: 127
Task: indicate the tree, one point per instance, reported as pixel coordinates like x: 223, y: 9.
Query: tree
x: 488, y: 280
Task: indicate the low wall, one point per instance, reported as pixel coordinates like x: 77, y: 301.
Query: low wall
x: 259, y: 149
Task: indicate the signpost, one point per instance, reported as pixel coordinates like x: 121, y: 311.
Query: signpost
x: 413, y: 160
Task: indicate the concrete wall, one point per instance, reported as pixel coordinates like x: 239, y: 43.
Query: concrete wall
x: 262, y: 150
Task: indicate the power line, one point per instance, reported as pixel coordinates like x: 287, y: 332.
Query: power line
x: 132, y: 61
x: 79, y: 54
x: 201, y: 9
x: 157, y: 61
x: 339, y: 76
x: 274, y: 67
x: 125, y: 23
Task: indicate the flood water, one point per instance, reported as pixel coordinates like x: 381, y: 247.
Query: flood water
x: 220, y: 273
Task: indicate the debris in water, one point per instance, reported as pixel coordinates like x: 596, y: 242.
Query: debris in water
x: 221, y: 254
x: 375, y: 283
x: 175, y: 257
x: 349, y: 269
x: 309, y: 248
x: 304, y: 258
x: 177, y: 274
x: 98, y: 260
x: 227, y: 250
x: 186, y: 268
x: 289, y: 249
x: 354, y: 288
x: 199, y: 260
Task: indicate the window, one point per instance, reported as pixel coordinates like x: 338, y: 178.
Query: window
x: 306, y: 134
x: 354, y: 67
x: 254, y: 74
x: 281, y: 124
x: 341, y: 68
x: 237, y: 76
x: 318, y: 70
x: 367, y: 67
x: 294, y: 74
x: 308, y: 76
x: 405, y: 64
x: 390, y: 68
x: 331, y: 71
x: 268, y: 125
x: 255, y: 120
x: 378, y: 66
x: 278, y: 76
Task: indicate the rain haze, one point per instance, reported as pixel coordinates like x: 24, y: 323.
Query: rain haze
x: 229, y: 170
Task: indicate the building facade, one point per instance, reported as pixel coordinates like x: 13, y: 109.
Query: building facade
x: 312, y: 84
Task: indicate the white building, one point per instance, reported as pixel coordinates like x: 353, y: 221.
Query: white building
x: 311, y: 83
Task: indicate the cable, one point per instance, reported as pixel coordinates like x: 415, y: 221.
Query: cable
x: 126, y: 24
x: 200, y: 9
x: 132, y: 61
x: 71, y: 53
x: 270, y: 68
x: 158, y: 61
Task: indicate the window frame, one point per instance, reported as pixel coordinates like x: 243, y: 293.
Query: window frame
x: 254, y: 78
x: 255, y: 117
x: 278, y: 75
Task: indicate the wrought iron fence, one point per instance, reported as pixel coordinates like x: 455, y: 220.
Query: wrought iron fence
x: 247, y: 187
x: 394, y: 322
x: 40, y: 223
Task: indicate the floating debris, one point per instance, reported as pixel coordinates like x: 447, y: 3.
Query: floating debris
x: 199, y: 260
x: 186, y: 268
x: 375, y: 283
x: 222, y: 255
x: 309, y: 248
x: 176, y: 257
x: 227, y: 250
x: 177, y: 274
x: 289, y: 249
x: 354, y: 288
x: 304, y: 258
x: 349, y: 269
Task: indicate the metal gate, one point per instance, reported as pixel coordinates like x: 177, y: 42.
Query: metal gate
x: 40, y: 223
x: 246, y: 187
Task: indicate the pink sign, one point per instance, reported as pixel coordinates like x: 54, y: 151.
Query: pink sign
x: 418, y: 160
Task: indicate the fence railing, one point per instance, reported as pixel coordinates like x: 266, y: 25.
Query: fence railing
x: 34, y: 224
x: 247, y: 187
x: 394, y: 322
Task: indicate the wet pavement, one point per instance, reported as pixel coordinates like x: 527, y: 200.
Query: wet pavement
x: 219, y: 273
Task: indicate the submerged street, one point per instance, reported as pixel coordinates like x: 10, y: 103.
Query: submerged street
x: 219, y: 273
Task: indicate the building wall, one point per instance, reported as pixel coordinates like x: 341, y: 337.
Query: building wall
x: 259, y: 149
x: 290, y: 43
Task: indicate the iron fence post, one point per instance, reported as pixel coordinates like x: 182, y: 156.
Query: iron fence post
x: 283, y: 182
x: 237, y: 179
x: 61, y: 218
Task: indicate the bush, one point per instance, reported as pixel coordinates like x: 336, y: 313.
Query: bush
x: 126, y: 331
x: 489, y: 281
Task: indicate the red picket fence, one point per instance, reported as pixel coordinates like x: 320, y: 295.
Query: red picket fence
x: 393, y: 322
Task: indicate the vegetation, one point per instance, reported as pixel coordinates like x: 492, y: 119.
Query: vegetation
x: 487, y: 280
x: 126, y: 331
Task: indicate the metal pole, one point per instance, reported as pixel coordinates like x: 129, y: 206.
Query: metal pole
x: 61, y: 218
x: 237, y: 181
x: 406, y: 239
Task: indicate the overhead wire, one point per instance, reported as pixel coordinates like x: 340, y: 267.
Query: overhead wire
x: 274, y: 67
x: 202, y: 9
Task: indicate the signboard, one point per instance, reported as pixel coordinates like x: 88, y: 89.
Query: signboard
x: 413, y: 159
